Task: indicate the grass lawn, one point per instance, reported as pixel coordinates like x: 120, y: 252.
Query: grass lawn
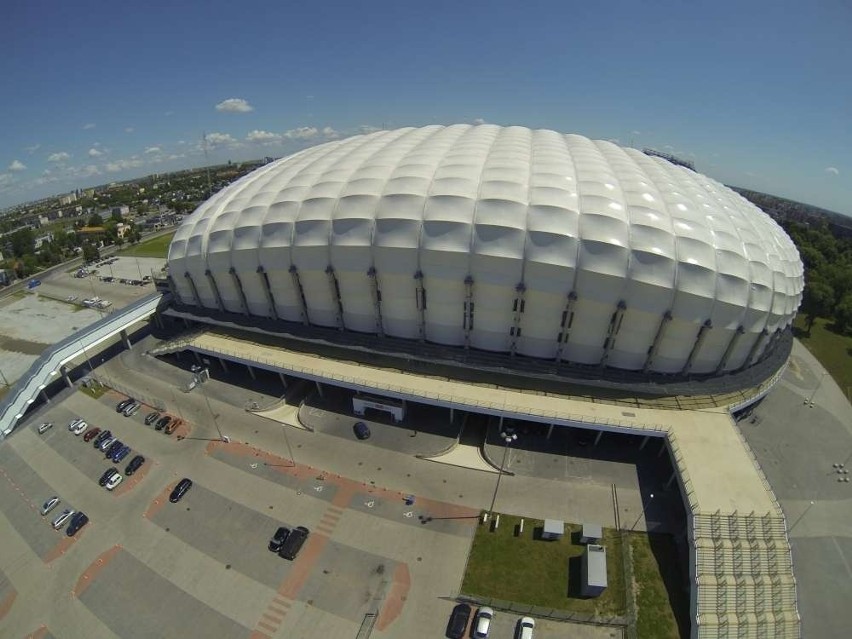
x: 157, y: 247
x: 94, y: 390
x: 527, y: 570
x: 654, y: 568
x: 832, y: 350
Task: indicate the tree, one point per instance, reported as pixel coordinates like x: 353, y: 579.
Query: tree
x: 843, y: 313
x: 23, y: 242
x: 116, y: 216
x: 818, y: 301
x: 90, y: 253
x: 96, y: 220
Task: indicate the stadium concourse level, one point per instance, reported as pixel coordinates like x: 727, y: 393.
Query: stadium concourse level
x: 740, y: 560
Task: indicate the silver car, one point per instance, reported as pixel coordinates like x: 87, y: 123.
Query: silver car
x: 46, y: 426
x: 49, y: 505
x: 64, y: 516
x: 132, y: 409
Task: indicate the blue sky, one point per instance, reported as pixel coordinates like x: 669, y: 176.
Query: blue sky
x: 757, y: 94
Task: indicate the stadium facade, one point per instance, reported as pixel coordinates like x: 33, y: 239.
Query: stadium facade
x: 509, y: 240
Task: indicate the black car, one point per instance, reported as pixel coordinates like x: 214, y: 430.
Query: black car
x: 100, y: 438
x: 134, y: 465
x: 458, y: 621
x: 113, y: 447
x: 162, y: 422
x: 77, y: 522
x: 180, y: 490
x: 124, y: 403
x: 294, y: 542
x: 278, y: 539
x: 151, y: 417
x: 362, y: 431
x: 108, y: 473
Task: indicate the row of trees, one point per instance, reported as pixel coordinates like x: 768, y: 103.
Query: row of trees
x: 828, y: 273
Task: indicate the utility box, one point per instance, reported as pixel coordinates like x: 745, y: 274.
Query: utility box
x: 553, y: 529
x: 591, y: 534
x: 594, y: 571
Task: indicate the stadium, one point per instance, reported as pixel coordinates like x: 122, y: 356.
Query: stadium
x: 503, y: 240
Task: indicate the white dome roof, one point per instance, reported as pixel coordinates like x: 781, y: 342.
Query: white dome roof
x: 611, y: 255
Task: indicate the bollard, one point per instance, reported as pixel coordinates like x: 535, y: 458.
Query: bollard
x: 521, y: 526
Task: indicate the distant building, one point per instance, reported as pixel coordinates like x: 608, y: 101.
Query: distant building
x: 122, y: 209
x: 67, y: 199
x: 39, y: 241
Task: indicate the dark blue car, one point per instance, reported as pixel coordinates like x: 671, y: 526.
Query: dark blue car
x: 120, y: 454
x: 77, y: 522
x: 113, y: 448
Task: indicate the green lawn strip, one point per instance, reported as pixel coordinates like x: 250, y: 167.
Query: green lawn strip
x: 655, y: 616
x: 528, y: 571
x: 156, y: 247
x: 832, y: 350
x: 94, y: 390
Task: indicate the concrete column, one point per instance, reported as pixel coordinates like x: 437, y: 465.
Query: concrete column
x: 283, y: 380
x: 644, y: 441
x: 517, y: 310
x: 270, y: 298
x: 239, y: 285
x: 297, y: 284
x: 658, y: 339
x: 452, y: 414
x: 125, y: 339
x: 334, y: 287
x: 696, y: 347
x: 662, y: 449
x: 64, y: 372
x: 549, y: 431
x: 598, y: 437
x: 468, y: 309
x: 752, y: 354
x: 730, y: 349
x: 215, y: 287
x: 197, y: 357
x: 671, y: 479
x: 251, y: 372
x: 194, y: 289
x: 319, y: 389
x: 501, y: 422
x: 44, y: 396
x: 224, y: 365
x: 187, y: 323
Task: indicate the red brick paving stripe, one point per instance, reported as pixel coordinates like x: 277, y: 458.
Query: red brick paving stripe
x: 267, y: 626
x: 395, y: 597
x: 259, y: 635
x: 272, y: 618
x: 183, y: 430
x: 303, y: 565
x: 159, y: 501
x: 38, y: 633
x: 60, y: 548
x: 92, y: 571
x: 7, y: 602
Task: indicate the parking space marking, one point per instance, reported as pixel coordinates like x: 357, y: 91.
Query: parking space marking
x: 89, y: 575
x: 7, y: 602
x: 38, y: 633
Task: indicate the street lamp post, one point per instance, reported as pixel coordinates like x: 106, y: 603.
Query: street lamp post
x: 287, y: 441
x: 644, y: 508
x: 810, y: 400
x: 508, y: 438
x: 212, y: 414
x: 801, y: 517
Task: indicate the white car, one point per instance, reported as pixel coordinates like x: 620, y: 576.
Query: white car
x: 46, y: 426
x: 526, y: 627
x: 74, y: 423
x: 482, y: 622
x: 113, y: 481
x: 49, y: 505
x: 80, y: 428
x: 64, y: 516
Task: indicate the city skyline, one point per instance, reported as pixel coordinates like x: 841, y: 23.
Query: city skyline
x: 751, y: 94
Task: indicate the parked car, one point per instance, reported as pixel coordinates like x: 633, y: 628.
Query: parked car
x: 114, y: 481
x: 172, y: 426
x: 134, y: 465
x: 105, y: 444
x: 74, y: 423
x: 162, y: 422
x: 77, y: 522
x: 151, y: 417
x: 64, y: 516
x: 110, y: 450
x: 131, y: 409
x: 482, y: 622
x: 362, y: 431
x: 124, y: 403
x: 458, y: 621
x: 91, y: 433
x: 294, y: 542
x: 120, y: 454
x: 79, y: 428
x: 526, y: 628
x: 101, y: 437
x: 49, y: 505
x: 107, y: 475
x: 278, y: 539
x: 180, y: 490
x: 46, y: 426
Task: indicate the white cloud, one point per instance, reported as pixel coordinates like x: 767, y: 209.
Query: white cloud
x: 831, y: 170
x: 220, y: 139
x: 330, y: 134
x: 5, y: 178
x: 478, y: 121
x: 176, y: 156
x: 367, y: 128
x: 17, y: 165
x: 301, y: 133
x: 95, y: 153
x: 129, y: 129
x: 234, y: 105
x: 62, y: 156
x: 32, y: 149
x: 122, y: 165
x: 83, y: 171
x: 152, y: 149
x: 90, y: 125
x: 263, y: 137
